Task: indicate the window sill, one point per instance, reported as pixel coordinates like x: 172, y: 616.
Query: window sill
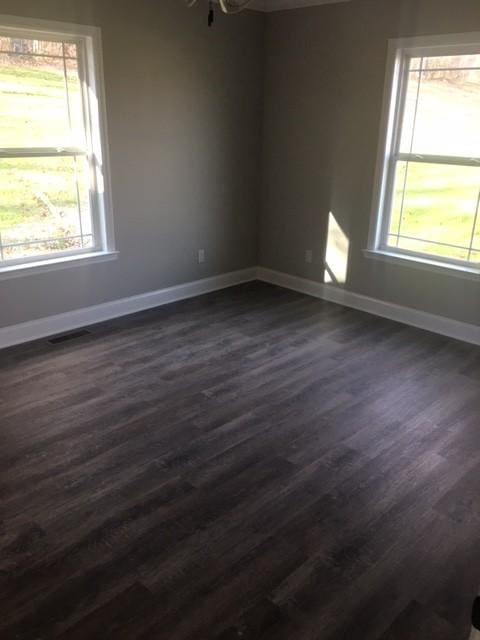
x: 54, y: 264
x: 452, y: 269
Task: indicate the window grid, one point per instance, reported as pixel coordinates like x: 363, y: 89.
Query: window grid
x: 37, y: 55
x: 435, y: 242
x: 475, y: 220
x: 410, y: 158
x: 8, y: 245
x: 405, y: 180
x: 435, y: 69
x: 77, y: 186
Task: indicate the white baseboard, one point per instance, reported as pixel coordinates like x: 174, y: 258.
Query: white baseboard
x: 406, y: 315
x: 61, y: 323
x: 35, y: 329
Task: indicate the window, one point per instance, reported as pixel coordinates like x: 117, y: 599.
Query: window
x: 53, y: 201
x: 428, y: 200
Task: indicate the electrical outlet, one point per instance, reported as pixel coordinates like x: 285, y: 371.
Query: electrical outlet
x: 201, y: 256
x: 308, y: 256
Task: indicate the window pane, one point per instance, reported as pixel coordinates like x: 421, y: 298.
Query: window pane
x: 442, y: 108
x: 46, y: 200
x: 433, y: 250
x: 398, y: 200
x: 70, y: 50
x: 409, y: 113
x: 475, y: 257
x: 414, y: 63
x: 75, y: 105
x: 434, y: 204
x: 36, y: 109
x: 26, y: 46
x: 452, y: 62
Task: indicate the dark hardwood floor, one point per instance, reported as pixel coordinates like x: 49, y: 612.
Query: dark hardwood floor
x: 251, y: 464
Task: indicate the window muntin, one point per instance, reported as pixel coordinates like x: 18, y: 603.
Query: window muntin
x: 51, y: 176
x: 431, y: 182
x: 442, y: 106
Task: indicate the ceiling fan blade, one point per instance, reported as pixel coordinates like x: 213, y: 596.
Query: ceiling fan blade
x: 234, y: 6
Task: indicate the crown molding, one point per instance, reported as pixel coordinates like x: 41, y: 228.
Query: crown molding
x: 269, y: 6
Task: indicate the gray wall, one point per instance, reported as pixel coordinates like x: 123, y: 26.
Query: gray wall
x: 184, y: 107
x: 325, y: 70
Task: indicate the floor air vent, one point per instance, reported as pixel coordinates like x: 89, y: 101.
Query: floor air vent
x: 66, y: 337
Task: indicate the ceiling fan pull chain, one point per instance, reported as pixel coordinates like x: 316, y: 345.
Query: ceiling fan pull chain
x: 227, y: 6
x: 211, y: 13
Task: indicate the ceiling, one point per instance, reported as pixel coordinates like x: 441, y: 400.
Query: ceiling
x: 278, y: 5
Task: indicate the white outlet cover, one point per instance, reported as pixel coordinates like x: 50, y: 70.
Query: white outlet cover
x: 201, y: 256
x: 308, y: 256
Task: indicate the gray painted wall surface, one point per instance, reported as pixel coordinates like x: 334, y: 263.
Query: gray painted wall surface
x: 184, y: 108
x: 325, y: 69
x: 189, y: 153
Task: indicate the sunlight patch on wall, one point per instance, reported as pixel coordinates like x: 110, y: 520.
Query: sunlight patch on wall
x: 336, y: 255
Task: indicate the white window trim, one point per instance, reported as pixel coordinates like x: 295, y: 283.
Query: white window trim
x: 54, y: 264
x: 97, y: 117
x: 389, y: 131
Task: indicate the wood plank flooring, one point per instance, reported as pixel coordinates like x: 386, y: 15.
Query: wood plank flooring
x: 252, y: 464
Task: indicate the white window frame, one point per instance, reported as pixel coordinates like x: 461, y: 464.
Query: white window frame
x: 399, y: 52
x: 89, y: 44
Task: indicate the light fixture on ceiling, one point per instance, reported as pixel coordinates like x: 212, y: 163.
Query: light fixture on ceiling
x: 227, y: 6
